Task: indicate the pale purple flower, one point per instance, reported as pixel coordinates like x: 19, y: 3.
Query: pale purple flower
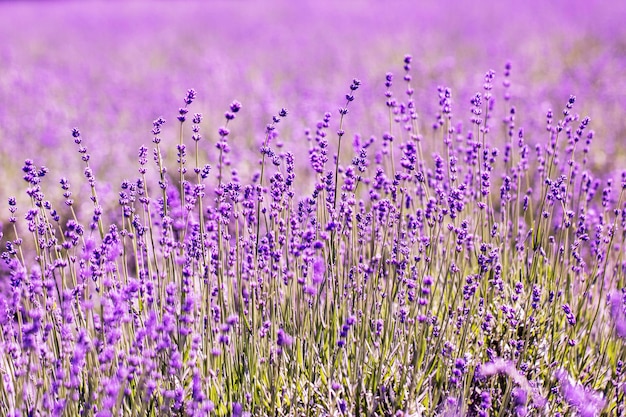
x: 619, y: 316
x: 587, y: 402
x: 284, y: 339
x: 501, y: 366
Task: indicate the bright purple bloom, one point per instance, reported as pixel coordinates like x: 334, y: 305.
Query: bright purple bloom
x: 587, y: 402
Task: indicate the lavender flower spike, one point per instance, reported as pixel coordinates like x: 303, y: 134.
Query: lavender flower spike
x: 587, y: 402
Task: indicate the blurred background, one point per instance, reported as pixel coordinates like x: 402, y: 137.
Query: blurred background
x: 111, y: 68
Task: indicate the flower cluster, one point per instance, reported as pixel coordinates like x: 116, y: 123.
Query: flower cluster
x: 384, y: 288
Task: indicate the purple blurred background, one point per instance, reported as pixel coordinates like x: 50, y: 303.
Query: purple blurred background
x: 112, y: 68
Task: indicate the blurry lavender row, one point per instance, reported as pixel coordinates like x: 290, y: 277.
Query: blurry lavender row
x: 111, y: 67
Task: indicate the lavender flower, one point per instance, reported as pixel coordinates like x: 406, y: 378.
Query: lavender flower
x: 587, y: 402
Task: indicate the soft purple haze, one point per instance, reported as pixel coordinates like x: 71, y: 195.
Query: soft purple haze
x: 111, y: 67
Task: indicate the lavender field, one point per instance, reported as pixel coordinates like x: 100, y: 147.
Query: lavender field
x: 313, y: 208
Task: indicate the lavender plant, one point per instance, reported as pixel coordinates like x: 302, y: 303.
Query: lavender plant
x: 484, y: 279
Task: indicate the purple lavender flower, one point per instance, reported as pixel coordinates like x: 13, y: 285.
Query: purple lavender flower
x: 319, y: 268
x: 284, y: 339
x: 617, y: 311
x: 501, y: 366
x: 191, y: 96
x: 587, y: 402
x: 571, y: 319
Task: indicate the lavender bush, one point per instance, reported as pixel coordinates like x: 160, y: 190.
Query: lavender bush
x: 459, y: 257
